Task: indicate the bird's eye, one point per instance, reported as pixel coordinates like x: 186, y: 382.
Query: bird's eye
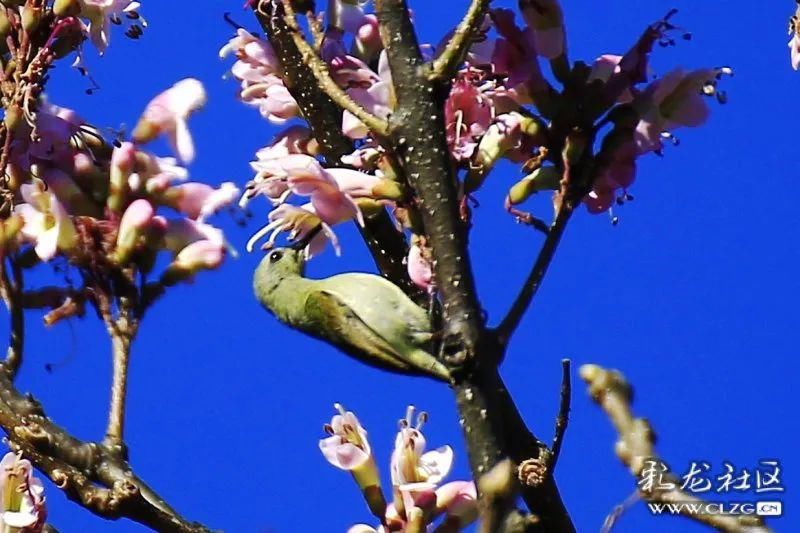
x: 275, y: 256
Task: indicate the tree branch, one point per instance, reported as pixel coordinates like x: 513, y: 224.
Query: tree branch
x: 89, y: 473
x: 509, y: 324
x: 492, y: 425
x: 387, y: 245
x: 562, y: 420
x: 636, y: 444
x: 122, y: 333
x: 324, y: 80
x: 444, y: 66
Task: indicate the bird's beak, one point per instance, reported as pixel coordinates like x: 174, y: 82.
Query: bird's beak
x: 300, y: 244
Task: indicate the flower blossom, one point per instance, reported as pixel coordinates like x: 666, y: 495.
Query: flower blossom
x: 102, y: 14
x: 258, y: 70
x: 299, y: 222
x: 22, y: 496
x: 677, y: 99
x: 47, y: 224
x: 167, y: 114
x: 416, y: 476
x: 468, y: 114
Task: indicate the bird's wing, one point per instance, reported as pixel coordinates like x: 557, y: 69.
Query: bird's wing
x: 342, y: 327
x: 381, y: 303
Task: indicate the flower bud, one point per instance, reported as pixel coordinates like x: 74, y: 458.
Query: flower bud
x: 9, y: 229
x: 5, y: 23
x: 541, y: 179
x: 134, y: 222
x: 200, y: 255
x: 123, y: 161
x: 387, y: 189
x: 66, y: 8
x: 31, y: 16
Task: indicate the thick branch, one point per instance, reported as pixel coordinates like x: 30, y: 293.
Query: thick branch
x: 512, y: 320
x: 418, y: 132
x: 636, y: 445
x: 387, y: 245
x: 444, y: 66
x: 493, y: 428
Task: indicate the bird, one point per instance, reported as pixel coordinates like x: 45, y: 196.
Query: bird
x: 364, y: 315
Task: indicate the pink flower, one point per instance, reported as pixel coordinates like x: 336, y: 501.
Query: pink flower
x: 468, y: 114
x: 347, y: 15
x: 378, y: 99
x: 135, y: 220
x: 410, y: 462
x: 197, y: 256
x: 677, y: 99
x: 272, y: 98
x: 617, y: 172
x: 606, y: 66
x: 179, y: 233
x: 347, y: 446
x: 305, y: 176
x: 101, y: 14
x: 168, y: 112
x: 368, y: 39
x: 22, y: 496
x: 419, y: 269
x: 547, y: 21
x: 255, y: 57
x: 199, y: 200
x: 299, y: 222
x: 459, y: 501
x: 47, y: 223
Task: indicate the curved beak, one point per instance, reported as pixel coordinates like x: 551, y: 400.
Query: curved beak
x: 300, y: 244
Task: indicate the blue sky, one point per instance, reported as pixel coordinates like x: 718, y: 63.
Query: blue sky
x: 692, y: 295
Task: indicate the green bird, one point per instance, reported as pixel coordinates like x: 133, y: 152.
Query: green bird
x: 364, y: 315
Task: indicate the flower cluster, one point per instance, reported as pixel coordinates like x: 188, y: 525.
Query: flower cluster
x: 419, y: 497
x: 98, y: 205
x: 500, y: 106
x: 23, y: 507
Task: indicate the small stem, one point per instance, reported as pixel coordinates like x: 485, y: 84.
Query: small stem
x: 562, y: 420
x: 539, y: 269
x: 443, y: 67
x: 11, y: 292
x: 121, y: 349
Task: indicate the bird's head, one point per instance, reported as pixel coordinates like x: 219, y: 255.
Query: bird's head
x: 277, y: 265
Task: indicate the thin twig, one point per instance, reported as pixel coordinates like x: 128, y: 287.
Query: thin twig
x: 11, y: 291
x: 444, y: 66
x: 636, y: 445
x: 562, y: 420
x: 510, y: 323
x: 311, y: 58
x: 618, y: 510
